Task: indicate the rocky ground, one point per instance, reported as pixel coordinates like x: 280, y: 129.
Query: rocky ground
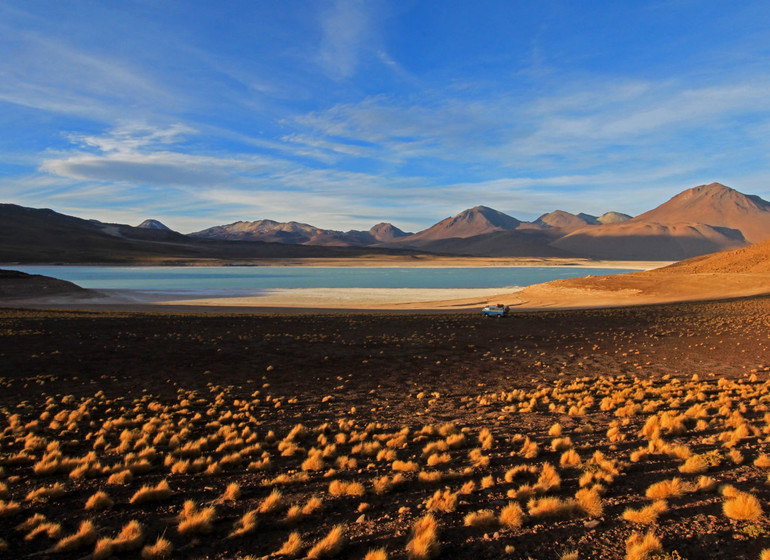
x: 386, y: 418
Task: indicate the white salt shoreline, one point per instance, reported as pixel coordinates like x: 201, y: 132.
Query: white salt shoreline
x: 307, y: 297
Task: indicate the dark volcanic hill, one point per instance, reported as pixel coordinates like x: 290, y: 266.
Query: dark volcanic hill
x: 154, y: 224
x: 30, y: 235
x: 19, y: 285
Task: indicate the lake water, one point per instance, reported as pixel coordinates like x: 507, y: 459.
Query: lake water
x: 245, y: 279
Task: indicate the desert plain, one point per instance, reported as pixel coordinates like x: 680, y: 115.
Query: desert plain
x: 382, y: 435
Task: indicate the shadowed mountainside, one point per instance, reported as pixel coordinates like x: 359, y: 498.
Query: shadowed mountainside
x: 32, y: 235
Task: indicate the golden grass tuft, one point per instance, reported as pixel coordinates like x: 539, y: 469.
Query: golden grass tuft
x: 477, y: 458
x: 330, y: 545
x: 742, y: 507
x: 194, y: 521
x: 646, y: 515
x: 424, y: 543
x: 342, y: 488
x: 512, y: 516
x: 405, y: 466
x: 484, y: 519
x: 385, y: 484
x: 99, y: 500
x: 248, y: 523
x: 45, y: 493
x: 640, y: 547
x: 231, y: 493
x: 549, y: 478
x: 272, y: 502
x: 665, y: 489
x: 529, y: 449
x: 161, y: 550
x: 589, y: 502
x: 131, y: 537
x: 86, y: 535
x: 121, y: 478
x: 570, y: 459
x: 314, y: 462
x: 377, y: 554
x: 159, y: 492
x: 445, y: 501
x: 696, y: 464
x: 551, y: 506
x: 293, y: 546
x: 47, y: 528
x: 439, y: 459
x: 8, y: 508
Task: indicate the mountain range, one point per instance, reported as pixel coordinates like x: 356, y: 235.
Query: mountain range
x: 698, y: 221
x: 701, y: 220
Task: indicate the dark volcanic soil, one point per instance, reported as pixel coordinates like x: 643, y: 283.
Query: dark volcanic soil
x: 271, y: 372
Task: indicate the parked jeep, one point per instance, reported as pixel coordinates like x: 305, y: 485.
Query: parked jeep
x: 498, y: 310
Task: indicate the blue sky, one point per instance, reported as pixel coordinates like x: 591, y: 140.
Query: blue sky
x: 342, y: 114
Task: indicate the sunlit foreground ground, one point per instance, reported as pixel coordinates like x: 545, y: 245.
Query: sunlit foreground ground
x: 634, y: 433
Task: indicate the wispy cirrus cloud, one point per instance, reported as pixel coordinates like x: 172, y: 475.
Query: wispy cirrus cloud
x: 346, y: 27
x: 580, y: 125
x: 45, y: 73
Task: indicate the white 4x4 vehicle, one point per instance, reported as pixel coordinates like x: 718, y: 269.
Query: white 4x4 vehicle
x: 498, y: 310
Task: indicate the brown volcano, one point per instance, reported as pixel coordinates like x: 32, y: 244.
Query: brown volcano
x: 700, y: 220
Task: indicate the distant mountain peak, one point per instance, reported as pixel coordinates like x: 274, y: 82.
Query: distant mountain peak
x: 154, y: 224
x: 613, y: 218
x: 384, y: 232
x: 566, y: 220
x: 716, y: 205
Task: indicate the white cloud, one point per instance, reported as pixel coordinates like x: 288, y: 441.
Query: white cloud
x: 48, y: 74
x: 139, y: 154
x: 346, y: 28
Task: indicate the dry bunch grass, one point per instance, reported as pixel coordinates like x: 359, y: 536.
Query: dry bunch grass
x: 271, y: 503
x: 293, y: 545
x: 665, y: 489
x: 742, y: 507
x: 86, y: 535
x: 194, y: 521
x: 248, y: 523
x: 640, y: 547
x: 445, y: 501
x: 343, y: 488
x: 646, y: 515
x: 131, y: 537
x: 424, y: 543
x: 160, y: 550
x: 159, y: 492
x: 330, y: 545
x: 484, y: 519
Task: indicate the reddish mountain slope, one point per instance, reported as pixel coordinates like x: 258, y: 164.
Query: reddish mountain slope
x: 701, y: 220
x: 469, y: 223
x: 718, y: 206
x: 566, y: 221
